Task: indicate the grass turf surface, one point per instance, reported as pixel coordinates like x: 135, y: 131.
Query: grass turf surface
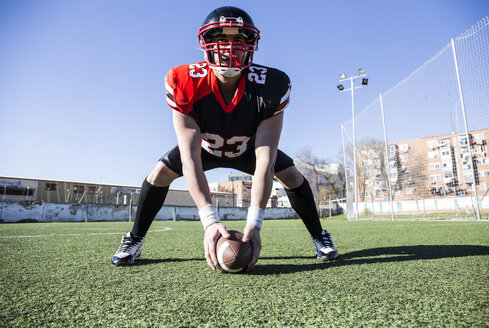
x: 391, y: 274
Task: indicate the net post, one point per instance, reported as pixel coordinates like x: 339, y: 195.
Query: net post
x: 346, y: 173
x: 354, y: 148
x: 387, y: 158
x: 462, y: 103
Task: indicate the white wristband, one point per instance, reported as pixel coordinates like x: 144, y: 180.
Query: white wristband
x: 255, y: 217
x: 208, y: 215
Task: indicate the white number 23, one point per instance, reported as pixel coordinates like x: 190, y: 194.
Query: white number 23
x: 212, y: 142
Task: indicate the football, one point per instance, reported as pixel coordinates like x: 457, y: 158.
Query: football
x: 233, y: 255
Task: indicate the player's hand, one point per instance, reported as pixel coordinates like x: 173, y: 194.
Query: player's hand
x: 252, y: 234
x: 211, y: 235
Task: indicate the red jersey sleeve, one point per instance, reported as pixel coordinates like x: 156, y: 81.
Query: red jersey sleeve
x: 179, y: 90
x: 170, y: 84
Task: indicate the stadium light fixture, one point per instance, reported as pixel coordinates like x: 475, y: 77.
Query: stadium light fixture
x: 343, y: 77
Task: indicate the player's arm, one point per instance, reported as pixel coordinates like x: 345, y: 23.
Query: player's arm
x: 189, y: 139
x: 266, y: 144
x: 189, y: 143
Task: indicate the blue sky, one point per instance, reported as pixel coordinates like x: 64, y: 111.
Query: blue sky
x: 81, y: 82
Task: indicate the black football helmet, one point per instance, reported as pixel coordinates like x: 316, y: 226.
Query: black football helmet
x: 228, y: 57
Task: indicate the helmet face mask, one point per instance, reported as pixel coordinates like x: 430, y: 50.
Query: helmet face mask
x: 228, y: 38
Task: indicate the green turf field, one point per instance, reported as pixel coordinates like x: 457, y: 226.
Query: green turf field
x: 392, y: 274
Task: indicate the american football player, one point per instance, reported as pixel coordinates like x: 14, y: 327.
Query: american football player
x: 227, y: 112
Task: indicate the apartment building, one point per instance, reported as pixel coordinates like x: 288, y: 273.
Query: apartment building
x: 239, y: 186
x: 429, y: 167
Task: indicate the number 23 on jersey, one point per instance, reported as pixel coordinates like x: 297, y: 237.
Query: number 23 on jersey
x: 213, y: 142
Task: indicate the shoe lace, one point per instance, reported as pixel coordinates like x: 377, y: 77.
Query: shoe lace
x: 128, y: 243
x: 324, y: 240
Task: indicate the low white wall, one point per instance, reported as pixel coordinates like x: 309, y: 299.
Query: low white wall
x: 430, y: 205
x: 57, y: 212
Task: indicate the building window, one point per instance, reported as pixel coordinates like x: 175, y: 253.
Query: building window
x: 435, y: 177
x: 462, y: 139
x: 435, y: 166
x: 464, y: 152
x: 447, y: 175
x: 479, y: 137
x: 51, y: 186
x: 403, y: 158
x: 444, y: 143
x: 482, y: 161
x: 468, y: 178
x: 92, y: 189
x: 477, y: 149
x: 78, y: 189
x: 433, y: 154
x: 432, y: 144
x: 404, y: 147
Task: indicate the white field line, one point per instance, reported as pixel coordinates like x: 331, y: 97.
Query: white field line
x: 363, y: 225
x: 356, y: 226
x: 433, y: 223
x: 159, y: 229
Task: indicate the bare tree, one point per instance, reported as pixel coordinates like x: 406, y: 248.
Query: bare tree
x: 404, y: 172
x: 323, y: 181
x: 338, y: 185
x: 309, y: 167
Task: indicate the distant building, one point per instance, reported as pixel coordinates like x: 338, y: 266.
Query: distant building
x: 239, y: 185
x: 427, y: 167
x: 222, y: 199
x: 64, y: 191
x: 239, y: 188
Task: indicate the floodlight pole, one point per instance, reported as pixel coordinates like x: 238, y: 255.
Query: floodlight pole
x: 344, y: 164
x: 387, y: 165
x: 352, y: 89
x: 354, y: 147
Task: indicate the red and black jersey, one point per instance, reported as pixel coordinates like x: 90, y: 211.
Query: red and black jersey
x: 228, y: 130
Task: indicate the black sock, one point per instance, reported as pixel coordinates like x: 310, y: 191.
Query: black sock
x: 151, y: 200
x: 302, y: 201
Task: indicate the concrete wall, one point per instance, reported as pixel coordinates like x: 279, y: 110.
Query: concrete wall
x: 59, y: 212
x: 439, y: 205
